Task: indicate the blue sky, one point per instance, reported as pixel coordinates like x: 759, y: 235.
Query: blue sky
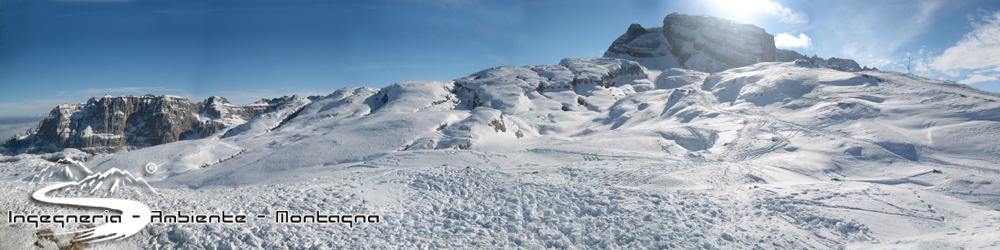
x: 54, y: 52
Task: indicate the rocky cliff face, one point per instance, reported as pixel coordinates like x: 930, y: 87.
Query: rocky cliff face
x: 109, y: 124
x: 649, y: 46
x: 703, y: 43
x: 715, y: 44
x: 707, y: 44
x: 646, y: 46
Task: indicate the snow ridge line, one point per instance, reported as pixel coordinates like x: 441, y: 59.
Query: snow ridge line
x: 287, y: 118
x: 225, y: 159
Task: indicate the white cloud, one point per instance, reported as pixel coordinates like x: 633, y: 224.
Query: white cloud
x: 787, y: 15
x: 978, y: 78
x: 784, y: 40
x: 978, y: 50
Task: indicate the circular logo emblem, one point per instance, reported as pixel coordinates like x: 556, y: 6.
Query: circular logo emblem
x: 151, y: 167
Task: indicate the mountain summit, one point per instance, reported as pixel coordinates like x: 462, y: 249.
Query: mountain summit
x: 707, y: 44
x: 703, y: 43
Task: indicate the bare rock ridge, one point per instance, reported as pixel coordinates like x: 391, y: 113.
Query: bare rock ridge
x: 842, y: 64
x: 624, y: 45
x: 708, y: 44
x: 109, y: 124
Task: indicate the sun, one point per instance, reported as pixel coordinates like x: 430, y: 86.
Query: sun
x: 746, y: 10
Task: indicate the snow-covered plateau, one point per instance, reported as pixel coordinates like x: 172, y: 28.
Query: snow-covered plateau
x: 591, y: 153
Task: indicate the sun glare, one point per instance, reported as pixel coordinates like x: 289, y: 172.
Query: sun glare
x: 750, y: 10
x: 740, y: 8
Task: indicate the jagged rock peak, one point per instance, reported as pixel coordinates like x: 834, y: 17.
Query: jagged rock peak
x: 216, y: 99
x: 644, y: 48
x: 841, y: 64
x: 112, y: 123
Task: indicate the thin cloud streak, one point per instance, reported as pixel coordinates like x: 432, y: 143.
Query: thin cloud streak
x: 978, y: 78
x: 978, y: 50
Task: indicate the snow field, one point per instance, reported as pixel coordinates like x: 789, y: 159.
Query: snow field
x: 592, y: 153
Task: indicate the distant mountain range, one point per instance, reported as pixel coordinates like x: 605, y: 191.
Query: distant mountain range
x: 109, y: 124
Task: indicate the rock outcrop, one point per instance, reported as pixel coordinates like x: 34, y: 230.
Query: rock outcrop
x: 841, y: 64
x: 832, y: 63
x: 784, y: 55
x: 109, y: 124
x: 627, y: 44
x: 708, y: 44
x: 703, y: 43
x: 716, y: 44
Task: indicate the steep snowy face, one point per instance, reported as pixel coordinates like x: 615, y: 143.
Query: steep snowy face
x: 703, y: 43
x: 108, y: 124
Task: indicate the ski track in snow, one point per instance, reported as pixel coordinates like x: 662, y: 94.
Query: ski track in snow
x: 621, y: 203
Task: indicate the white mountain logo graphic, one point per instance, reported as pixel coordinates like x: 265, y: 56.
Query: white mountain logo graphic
x: 134, y: 215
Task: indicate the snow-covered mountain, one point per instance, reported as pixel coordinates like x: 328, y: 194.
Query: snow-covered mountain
x: 628, y: 151
x: 776, y: 111
x: 707, y: 44
x: 109, y: 124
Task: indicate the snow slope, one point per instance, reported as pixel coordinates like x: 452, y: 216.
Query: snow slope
x: 590, y: 153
